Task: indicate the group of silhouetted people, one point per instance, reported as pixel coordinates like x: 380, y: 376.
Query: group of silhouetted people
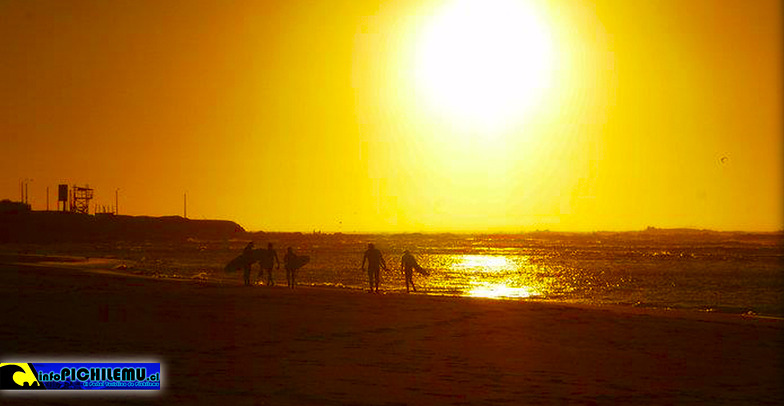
x: 267, y: 260
x: 375, y: 261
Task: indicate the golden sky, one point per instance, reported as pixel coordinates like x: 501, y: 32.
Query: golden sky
x: 413, y: 116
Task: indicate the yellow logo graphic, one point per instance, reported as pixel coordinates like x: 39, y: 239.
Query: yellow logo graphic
x: 18, y: 376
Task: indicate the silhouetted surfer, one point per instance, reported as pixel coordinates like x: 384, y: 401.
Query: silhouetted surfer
x: 267, y: 261
x: 291, y: 267
x: 408, y: 264
x: 375, y: 262
x: 248, y: 251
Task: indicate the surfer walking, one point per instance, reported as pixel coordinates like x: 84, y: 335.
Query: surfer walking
x: 289, y: 262
x: 407, y: 264
x: 267, y: 261
x: 375, y: 262
x: 248, y: 251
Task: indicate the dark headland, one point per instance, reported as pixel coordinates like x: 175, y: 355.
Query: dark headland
x: 19, y: 224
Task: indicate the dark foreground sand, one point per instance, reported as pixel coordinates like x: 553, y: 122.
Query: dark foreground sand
x: 237, y: 345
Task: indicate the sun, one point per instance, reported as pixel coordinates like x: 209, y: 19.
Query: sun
x: 485, y: 61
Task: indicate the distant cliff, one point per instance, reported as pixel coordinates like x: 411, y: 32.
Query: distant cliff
x: 42, y: 226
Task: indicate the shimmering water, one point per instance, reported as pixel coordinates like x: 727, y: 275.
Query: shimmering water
x: 726, y: 272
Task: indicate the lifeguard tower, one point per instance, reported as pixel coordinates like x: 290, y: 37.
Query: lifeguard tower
x: 80, y: 199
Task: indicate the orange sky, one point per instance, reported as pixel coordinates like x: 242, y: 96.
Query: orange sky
x: 301, y: 116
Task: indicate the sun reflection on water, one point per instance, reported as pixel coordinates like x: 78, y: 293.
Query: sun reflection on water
x: 491, y: 276
x: 484, y: 262
x: 501, y: 291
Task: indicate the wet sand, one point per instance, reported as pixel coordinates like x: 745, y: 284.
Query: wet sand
x: 256, y: 345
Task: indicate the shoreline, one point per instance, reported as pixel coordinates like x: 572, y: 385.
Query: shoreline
x: 96, y: 267
x: 718, y: 274
x: 72, y: 263
x: 47, y: 266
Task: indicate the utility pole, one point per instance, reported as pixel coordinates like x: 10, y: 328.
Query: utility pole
x: 47, y: 198
x: 26, y: 191
x: 116, y: 202
x: 185, y: 205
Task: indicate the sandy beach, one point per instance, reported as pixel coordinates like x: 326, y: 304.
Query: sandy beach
x: 238, y: 345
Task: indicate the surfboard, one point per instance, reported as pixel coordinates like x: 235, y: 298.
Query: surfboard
x: 240, y: 262
x: 422, y: 271
x: 299, y: 261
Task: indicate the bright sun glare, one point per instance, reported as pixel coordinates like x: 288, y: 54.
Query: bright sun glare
x: 486, y: 61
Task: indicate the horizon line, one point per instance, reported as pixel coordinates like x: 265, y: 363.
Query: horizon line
x: 444, y: 231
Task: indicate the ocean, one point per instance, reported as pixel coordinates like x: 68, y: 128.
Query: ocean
x: 729, y: 272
